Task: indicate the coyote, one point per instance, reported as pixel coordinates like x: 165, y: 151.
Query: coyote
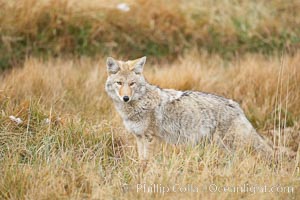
x: 177, y: 117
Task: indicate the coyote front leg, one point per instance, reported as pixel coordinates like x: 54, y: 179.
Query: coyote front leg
x: 145, y: 144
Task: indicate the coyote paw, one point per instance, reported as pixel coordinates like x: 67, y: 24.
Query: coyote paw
x: 143, y: 165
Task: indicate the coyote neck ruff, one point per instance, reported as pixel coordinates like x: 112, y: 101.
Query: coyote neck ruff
x: 176, y: 117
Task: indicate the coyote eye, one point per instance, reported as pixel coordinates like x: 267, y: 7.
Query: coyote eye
x: 131, y: 84
x: 119, y: 83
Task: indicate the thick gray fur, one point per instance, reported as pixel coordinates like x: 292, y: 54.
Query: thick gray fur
x: 182, y: 117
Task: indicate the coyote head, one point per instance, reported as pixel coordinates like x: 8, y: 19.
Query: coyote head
x: 125, y: 80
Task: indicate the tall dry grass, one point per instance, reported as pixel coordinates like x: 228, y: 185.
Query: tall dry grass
x: 72, y: 144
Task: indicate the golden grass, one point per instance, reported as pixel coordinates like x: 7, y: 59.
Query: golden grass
x: 83, y: 150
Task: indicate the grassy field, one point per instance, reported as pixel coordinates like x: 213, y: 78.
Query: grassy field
x: 71, y: 144
x: 61, y: 138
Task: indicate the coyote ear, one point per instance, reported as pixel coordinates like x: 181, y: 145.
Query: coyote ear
x: 139, y: 65
x: 112, y: 66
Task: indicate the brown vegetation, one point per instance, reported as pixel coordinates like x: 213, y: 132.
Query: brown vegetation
x: 72, y: 144
x: 163, y: 29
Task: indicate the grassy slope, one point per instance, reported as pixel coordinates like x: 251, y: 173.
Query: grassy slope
x: 160, y: 28
x: 84, y: 152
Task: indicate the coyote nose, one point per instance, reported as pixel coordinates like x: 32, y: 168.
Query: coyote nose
x: 126, y: 98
